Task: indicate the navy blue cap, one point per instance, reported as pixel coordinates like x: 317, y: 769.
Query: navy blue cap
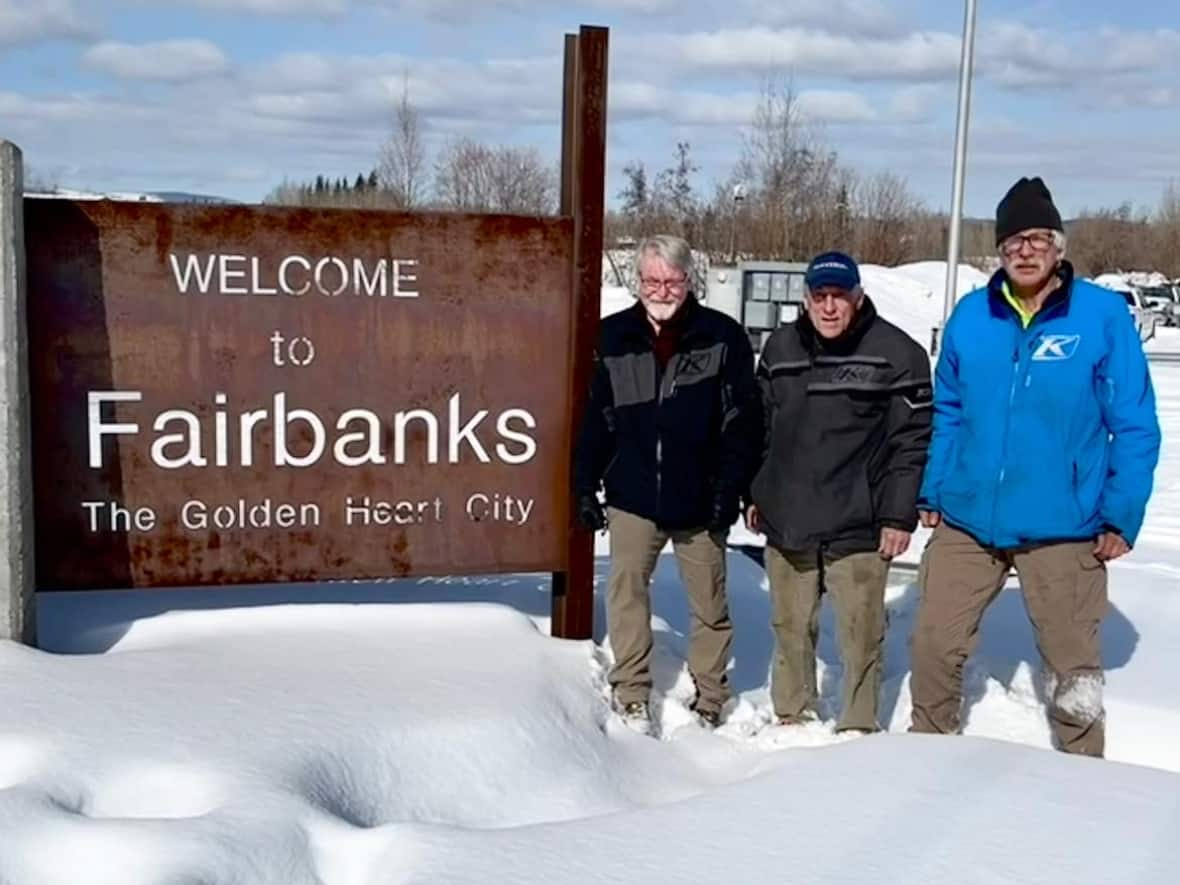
x: 832, y: 269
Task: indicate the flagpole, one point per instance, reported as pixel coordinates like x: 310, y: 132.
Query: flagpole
x: 966, y: 64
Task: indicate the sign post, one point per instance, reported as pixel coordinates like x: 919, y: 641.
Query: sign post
x: 17, y: 612
x: 583, y: 171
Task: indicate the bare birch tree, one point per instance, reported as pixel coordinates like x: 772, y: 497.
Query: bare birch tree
x: 402, y: 165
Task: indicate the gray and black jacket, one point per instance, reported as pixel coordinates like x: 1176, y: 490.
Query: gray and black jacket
x: 677, y: 445
x: 847, y: 424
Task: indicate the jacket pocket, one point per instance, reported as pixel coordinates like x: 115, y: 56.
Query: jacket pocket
x: 1090, y: 589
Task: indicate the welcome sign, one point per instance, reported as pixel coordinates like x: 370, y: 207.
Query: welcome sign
x: 247, y: 394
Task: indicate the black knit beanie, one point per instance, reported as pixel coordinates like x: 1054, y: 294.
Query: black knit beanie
x: 1028, y: 204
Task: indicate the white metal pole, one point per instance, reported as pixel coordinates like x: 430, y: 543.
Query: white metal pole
x: 953, y: 247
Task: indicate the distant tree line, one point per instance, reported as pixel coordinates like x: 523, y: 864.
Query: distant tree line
x: 465, y: 175
x: 788, y: 196
x: 1124, y: 238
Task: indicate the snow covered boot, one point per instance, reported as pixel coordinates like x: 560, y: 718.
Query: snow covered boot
x: 807, y: 717
x: 636, y: 715
x: 709, y: 719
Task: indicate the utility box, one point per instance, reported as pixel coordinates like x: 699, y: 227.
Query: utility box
x: 723, y: 291
x: 771, y: 295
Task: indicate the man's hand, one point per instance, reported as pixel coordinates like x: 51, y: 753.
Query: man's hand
x: 590, y: 513
x: 930, y: 518
x: 1110, y: 546
x: 894, y: 542
x: 752, y: 521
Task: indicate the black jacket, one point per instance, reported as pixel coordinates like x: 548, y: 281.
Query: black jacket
x: 673, y: 444
x: 847, y: 425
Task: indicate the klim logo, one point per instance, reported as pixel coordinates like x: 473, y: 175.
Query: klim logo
x: 1054, y: 348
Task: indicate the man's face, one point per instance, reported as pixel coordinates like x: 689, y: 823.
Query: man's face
x: 1030, y: 257
x: 833, y: 309
x: 662, y: 288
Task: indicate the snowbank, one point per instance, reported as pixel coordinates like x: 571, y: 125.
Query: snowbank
x: 391, y: 742
x: 351, y: 734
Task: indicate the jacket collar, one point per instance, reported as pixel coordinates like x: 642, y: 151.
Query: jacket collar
x: 847, y: 343
x: 1057, y: 302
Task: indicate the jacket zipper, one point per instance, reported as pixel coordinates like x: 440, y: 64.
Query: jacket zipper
x: 1023, y: 336
x: 673, y: 365
x: 1016, y: 359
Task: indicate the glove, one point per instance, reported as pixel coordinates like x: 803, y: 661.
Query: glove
x: 590, y: 514
x: 723, y: 515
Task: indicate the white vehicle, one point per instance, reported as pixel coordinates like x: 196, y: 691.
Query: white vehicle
x: 1145, y: 316
x: 1165, y: 301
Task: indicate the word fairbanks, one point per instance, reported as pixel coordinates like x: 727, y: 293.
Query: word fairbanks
x: 359, y: 438
x: 294, y: 275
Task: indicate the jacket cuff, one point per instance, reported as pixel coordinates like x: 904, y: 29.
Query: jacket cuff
x: 1111, y: 527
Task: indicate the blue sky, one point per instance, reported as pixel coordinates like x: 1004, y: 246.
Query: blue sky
x: 230, y: 96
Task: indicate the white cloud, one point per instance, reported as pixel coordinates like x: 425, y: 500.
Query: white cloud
x: 635, y: 101
x: 1020, y: 57
x: 835, y: 106
x: 263, y: 7
x: 26, y: 112
x: 912, y: 103
x: 167, y: 60
x: 438, y: 10
x: 918, y: 56
x: 30, y: 21
x: 858, y: 17
x: 309, y: 86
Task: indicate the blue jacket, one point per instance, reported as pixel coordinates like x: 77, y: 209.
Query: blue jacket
x: 1047, y: 433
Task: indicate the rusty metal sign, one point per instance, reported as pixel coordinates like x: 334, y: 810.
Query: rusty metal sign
x: 248, y: 394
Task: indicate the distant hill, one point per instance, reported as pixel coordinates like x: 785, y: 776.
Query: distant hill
x: 63, y: 193
x: 184, y: 197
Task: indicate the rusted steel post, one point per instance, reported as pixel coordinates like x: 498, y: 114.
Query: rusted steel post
x: 17, y: 613
x: 569, y: 157
x: 584, y: 150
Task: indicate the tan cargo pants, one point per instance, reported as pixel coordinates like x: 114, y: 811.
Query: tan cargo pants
x: 1064, y: 590
x: 856, y: 583
x: 635, y: 545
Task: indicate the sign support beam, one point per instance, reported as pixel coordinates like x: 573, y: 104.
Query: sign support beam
x: 17, y: 610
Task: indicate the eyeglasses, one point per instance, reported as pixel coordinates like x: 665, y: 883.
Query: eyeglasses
x: 1038, y: 241
x: 825, y: 292
x: 652, y: 285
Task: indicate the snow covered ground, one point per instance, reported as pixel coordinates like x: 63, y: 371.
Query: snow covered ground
x: 429, y: 731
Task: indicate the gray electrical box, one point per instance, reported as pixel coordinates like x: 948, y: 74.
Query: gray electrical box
x: 762, y: 315
x: 759, y: 287
x: 771, y: 294
x: 779, y: 288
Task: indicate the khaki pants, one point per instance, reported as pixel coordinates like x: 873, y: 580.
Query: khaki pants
x: 1064, y: 589
x: 856, y: 583
x: 635, y: 545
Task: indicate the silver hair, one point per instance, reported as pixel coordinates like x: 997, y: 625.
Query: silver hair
x: 671, y: 249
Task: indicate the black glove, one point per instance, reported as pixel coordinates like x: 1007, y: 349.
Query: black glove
x: 723, y: 515
x: 590, y: 513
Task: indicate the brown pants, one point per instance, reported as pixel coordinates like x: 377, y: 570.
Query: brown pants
x: 635, y: 545
x: 857, y: 585
x: 1064, y: 590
